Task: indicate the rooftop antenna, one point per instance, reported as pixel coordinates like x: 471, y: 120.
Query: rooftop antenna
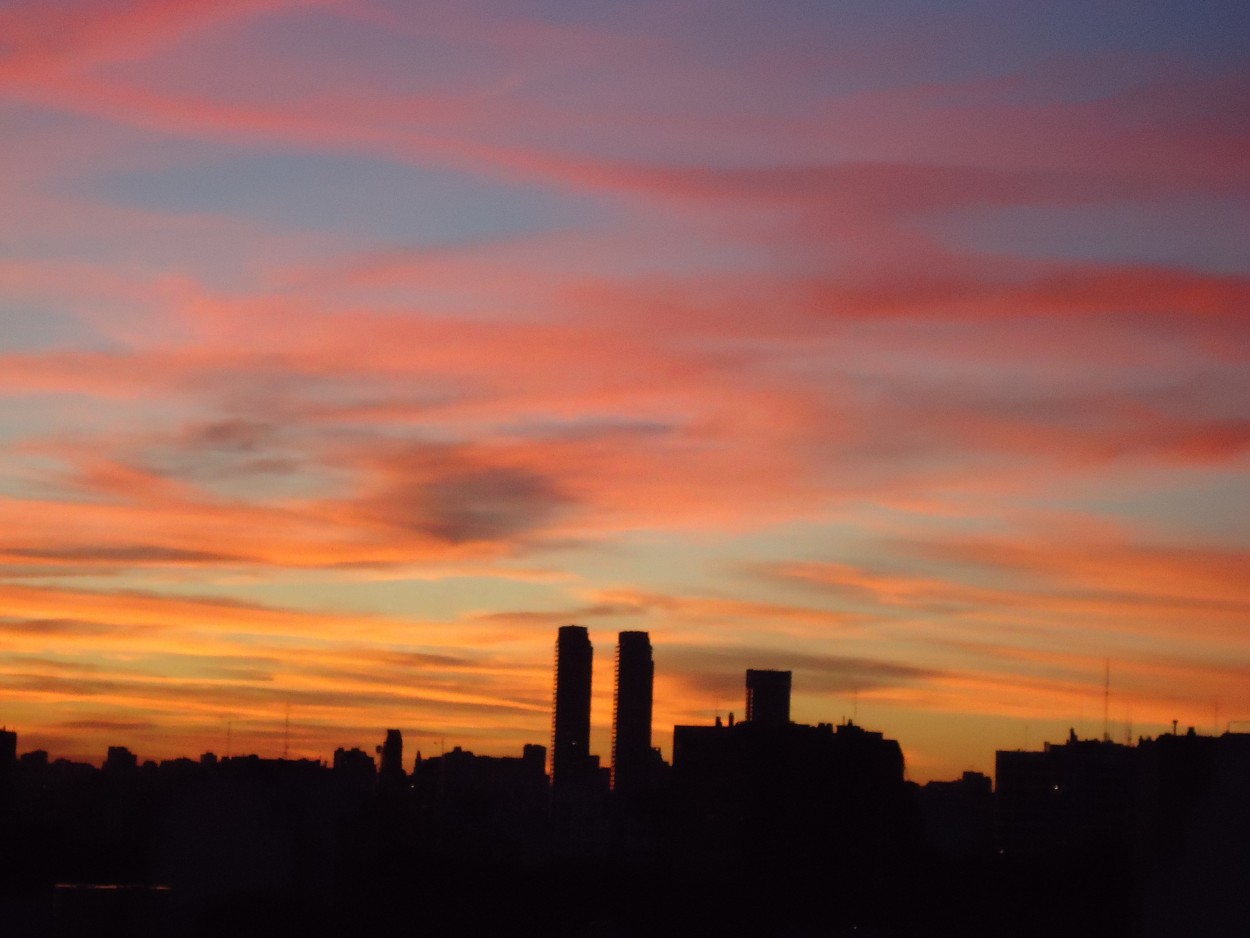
x: 1106, y: 702
x: 855, y: 703
x: 286, y: 734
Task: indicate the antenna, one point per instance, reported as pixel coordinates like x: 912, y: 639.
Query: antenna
x: 855, y: 703
x: 229, y: 730
x: 286, y: 734
x: 1106, y: 703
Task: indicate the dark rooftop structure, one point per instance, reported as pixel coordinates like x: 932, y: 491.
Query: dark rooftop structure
x: 768, y: 697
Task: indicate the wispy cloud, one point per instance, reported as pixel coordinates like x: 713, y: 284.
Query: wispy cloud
x: 350, y: 348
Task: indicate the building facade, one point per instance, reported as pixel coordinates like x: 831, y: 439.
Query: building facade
x: 570, y: 722
x: 768, y: 697
x: 631, y: 716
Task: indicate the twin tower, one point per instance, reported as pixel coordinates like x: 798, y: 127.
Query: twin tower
x: 572, y: 765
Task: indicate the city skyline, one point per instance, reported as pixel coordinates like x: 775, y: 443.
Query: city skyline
x: 349, y: 349
x: 765, y: 701
x: 817, y: 827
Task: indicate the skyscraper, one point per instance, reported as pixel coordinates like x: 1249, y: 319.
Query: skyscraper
x: 768, y: 697
x: 631, y: 714
x: 570, y: 722
x: 391, y: 771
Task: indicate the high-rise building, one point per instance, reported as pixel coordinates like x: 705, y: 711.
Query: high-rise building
x: 570, y: 722
x: 631, y: 714
x: 8, y: 749
x: 391, y: 769
x: 768, y: 697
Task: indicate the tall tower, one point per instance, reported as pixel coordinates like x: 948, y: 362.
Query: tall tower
x: 391, y: 771
x: 768, y: 697
x: 631, y: 713
x: 570, y: 721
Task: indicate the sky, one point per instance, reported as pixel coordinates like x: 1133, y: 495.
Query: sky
x: 348, y: 349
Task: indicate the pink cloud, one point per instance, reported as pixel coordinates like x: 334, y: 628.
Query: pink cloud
x: 44, y: 39
x: 761, y: 331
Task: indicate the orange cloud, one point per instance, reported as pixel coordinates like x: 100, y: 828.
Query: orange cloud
x: 747, y: 339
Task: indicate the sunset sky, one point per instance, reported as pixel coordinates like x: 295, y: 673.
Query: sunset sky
x: 350, y: 348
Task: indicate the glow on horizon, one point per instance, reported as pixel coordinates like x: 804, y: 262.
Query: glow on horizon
x: 351, y: 348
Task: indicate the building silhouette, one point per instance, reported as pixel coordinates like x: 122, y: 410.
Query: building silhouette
x: 473, y: 806
x: 571, y: 763
x: 761, y: 826
x: 768, y: 697
x: 391, y: 769
x: 1073, y: 799
x: 8, y: 749
x: 958, y: 817
x: 354, y: 760
x: 120, y: 759
x: 631, y: 716
x: 788, y: 808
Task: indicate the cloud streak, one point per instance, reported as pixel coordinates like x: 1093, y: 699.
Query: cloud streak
x: 347, y: 352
